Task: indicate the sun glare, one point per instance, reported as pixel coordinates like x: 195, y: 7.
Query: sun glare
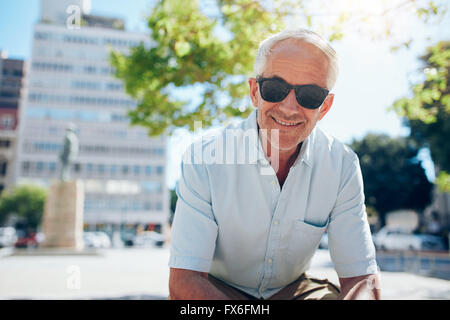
x: 364, y: 17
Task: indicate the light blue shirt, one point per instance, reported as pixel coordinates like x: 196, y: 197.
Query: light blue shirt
x: 235, y: 222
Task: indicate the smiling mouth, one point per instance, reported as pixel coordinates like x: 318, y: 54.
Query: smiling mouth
x: 287, y: 124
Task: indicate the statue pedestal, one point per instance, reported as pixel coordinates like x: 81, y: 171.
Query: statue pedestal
x: 62, y: 222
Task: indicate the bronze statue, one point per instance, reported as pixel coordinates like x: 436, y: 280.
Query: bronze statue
x: 68, y: 152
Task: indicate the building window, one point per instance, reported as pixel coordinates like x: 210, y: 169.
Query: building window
x: 26, y: 166
x: 159, y: 170
x: 151, y: 186
x: 125, y: 169
x: 3, y: 166
x: 4, y: 143
x: 53, y: 130
x: 42, y: 36
x: 113, y: 169
x: 77, y: 167
x: 114, y: 86
x: 9, y: 94
x: 52, y: 166
x: 159, y: 151
x: 137, y: 170
x: 7, y: 122
x: 89, y: 69
x: 39, y: 166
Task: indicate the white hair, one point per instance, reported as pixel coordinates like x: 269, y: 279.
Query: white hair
x: 265, y: 49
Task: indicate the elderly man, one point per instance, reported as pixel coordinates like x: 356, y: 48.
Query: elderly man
x: 248, y: 230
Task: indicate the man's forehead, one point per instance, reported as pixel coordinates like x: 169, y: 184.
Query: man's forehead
x: 292, y: 58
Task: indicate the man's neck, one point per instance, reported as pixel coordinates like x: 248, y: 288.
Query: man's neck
x: 280, y: 160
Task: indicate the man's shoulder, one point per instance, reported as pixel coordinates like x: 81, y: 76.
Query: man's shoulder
x: 336, y: 149
x: 215, y: 142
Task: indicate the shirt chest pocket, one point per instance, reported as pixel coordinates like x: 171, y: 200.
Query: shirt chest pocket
x: 303, y: 242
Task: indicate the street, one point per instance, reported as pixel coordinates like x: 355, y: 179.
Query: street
x: 142, y: 273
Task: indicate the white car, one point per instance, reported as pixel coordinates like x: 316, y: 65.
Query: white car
x: 149, y: 238
x: 394, y: 238
x: 96, y: 239
x: 8, y: 237
x: 323, y: 244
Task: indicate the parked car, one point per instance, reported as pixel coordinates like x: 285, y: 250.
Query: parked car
x: 432, y: 243
x: 30, y: 240
x: 8, y: 237
x: 128, y: 239
x: 323, y: 244
x: 149, y: 238
x: 96, y: 239
x: 394, y: 238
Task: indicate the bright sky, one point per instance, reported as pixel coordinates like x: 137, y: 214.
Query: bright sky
x: 371, y: 77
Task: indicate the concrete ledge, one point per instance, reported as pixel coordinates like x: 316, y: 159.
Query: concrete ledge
x: 4, y: 252
x: 53, y: 252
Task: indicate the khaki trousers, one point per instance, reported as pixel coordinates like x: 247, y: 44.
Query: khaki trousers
x: 304, y: 288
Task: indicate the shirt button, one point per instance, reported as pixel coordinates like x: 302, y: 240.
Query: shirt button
x: 275, y: 222
x: 269, y: 260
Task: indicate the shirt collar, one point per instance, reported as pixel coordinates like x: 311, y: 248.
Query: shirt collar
x: 305, y: 154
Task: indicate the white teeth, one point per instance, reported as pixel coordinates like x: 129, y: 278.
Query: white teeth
x: 285, y: 123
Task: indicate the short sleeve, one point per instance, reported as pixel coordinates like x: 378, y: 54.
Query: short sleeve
x: 194, y: 229
x: 350, y: 242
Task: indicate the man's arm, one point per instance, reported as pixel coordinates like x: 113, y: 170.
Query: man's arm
x: 360, y: 288
x: 194, y: 234
x: 192, y: 285
x: 350, y: 241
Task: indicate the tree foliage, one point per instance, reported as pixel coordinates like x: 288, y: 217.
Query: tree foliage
x: 427, y: 112
x: 187, y: 51
x: 214, y: 50
x: 393, y: 176
x: 25, y: 201
x: 173, y: 204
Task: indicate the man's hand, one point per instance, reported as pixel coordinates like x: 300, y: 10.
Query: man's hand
x: 360, y: 288
x: 192, y: 285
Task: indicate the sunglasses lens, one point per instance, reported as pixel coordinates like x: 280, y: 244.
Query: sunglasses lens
x: 310, y: 97
x: 276, y: 90
x: 273, y: 90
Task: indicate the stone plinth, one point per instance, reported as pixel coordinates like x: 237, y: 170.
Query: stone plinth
x: 62, y: 222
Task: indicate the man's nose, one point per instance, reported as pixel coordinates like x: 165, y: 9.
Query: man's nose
x: 290, y: 105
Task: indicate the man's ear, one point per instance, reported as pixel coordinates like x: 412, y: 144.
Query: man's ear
x: 254, y: 94
x: 326, y: 105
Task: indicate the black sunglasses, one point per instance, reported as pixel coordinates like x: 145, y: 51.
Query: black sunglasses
x: 276, y: 89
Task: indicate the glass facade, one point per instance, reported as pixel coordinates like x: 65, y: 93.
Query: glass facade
x: 71, y: 81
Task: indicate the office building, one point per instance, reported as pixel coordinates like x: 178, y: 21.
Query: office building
x: 69, y: 80
x: 11, y: 81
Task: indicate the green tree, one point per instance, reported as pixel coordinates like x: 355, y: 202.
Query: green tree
x: 427, y: 112
x: 214, y: 50
x: 173, y: 203
x: 25, y: 201
x: 186, y: 51
x: 393, y: 176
